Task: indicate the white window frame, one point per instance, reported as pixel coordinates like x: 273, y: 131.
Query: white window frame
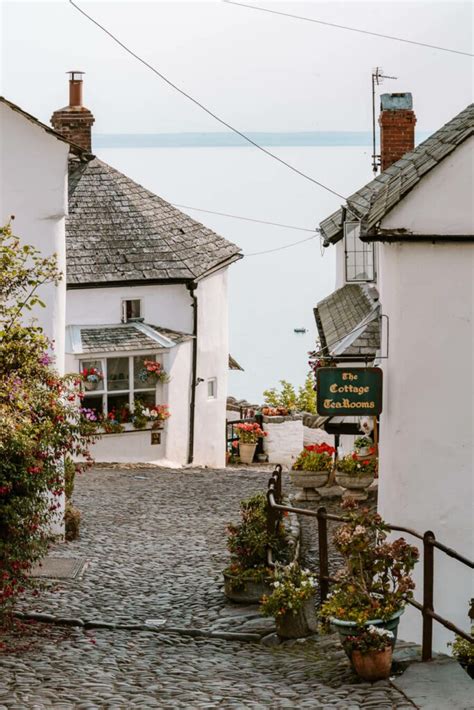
x: 212, y: 388
x: 103, y: 391
x: 123, y: 305
x: 358, y: 254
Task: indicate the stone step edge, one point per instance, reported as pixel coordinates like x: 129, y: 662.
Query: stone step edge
x: 182, y: 631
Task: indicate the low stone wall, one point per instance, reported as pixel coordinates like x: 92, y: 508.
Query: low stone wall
x: 284, y: 440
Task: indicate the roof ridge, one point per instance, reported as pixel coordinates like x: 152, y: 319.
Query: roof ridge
x: 378, y: 187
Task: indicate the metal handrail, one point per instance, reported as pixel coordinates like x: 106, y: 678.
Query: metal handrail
x: 275, y: 507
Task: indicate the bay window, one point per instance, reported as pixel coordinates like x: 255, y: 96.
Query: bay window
x: 125, y: 380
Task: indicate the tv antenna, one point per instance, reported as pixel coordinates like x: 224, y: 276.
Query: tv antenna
x: 377, y: 78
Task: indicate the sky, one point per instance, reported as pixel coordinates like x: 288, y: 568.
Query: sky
x: 261, y: 72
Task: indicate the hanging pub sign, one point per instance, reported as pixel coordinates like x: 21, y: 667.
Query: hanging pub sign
x: 349, y: 390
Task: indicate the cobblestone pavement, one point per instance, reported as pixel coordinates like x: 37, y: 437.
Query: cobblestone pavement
x: 155, y: 543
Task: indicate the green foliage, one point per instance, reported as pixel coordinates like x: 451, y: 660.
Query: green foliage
x: 41, y: 421
x: 69, y: 477
x: 304, y: 401
x: 352, y: 466
x: 369, y: 639
x: 247, y: 541
x: 292, y: 586
x: 375, y: 581
x: 286, y: 397
x: 463, y: 650
x: 363, y: 442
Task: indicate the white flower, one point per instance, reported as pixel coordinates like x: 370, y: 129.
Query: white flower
x: 359, y: 530
x: 276, y: 584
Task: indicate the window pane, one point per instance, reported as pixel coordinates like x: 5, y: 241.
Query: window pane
x: 93, y: 381
x: 115, y: 403
x: 132, y: 309
x: 117, y: 373
x: 141, y: 379
x: 211, y: 388
x: 148, y: 399
x: 93, y: 402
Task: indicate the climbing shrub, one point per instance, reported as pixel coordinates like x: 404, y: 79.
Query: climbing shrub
x: 40, y: 419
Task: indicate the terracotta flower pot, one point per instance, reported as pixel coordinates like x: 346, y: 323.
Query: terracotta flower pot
x: 372, y: 665
x: 247, y: 452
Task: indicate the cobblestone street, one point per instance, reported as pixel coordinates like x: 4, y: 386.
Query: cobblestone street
x: 154, y: 541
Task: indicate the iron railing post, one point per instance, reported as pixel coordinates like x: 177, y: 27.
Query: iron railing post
x: 428, y: 601
x: 323, y: 553
x: 278, y: 490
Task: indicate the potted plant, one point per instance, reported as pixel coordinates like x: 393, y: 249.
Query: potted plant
x: 355, y: 475
x: 111, y: 423
x: 158, y: 415
x: 375, y: 581
x: 364, y: 446
x: 463, y: 652
x: 91, y: 378
x: 152, y: 373
x: 249, y: 434
x: 292, y: 601
x: 311, y: 470
x: 247, y: 578
x: 370, y: 651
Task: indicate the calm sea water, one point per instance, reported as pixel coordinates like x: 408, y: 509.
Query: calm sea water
x: 273, y: 293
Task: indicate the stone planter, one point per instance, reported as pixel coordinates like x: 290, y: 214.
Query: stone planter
x: 249, y: 591
x: 309, y: 481
x: 302, y: 623
x: 356, y: 486
x: 373, y: 665
x: 247, y: 452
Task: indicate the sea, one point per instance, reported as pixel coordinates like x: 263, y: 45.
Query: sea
x: 271, y: 294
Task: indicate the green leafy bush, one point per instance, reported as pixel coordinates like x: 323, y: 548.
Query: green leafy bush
x: 292, y: 586
x: 303, y: 401
x: 353, y: 466
x: 41, y: 420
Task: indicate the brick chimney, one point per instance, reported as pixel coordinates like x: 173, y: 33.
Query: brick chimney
x: 397, y: 127
x: 75, y: 121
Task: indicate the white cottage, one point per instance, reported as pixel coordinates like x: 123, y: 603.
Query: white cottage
x: 145, y: 282
x: 415, y: 222
x: 33, y: 189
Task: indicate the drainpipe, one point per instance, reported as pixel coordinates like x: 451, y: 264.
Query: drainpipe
x: 192, y: 406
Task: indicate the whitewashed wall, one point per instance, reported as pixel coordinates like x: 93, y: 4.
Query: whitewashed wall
x: 33, y: 187
x: 284, y: 440
x: 426, y: 457
x: 168, y: 306
x: 178, y: 362
x: 212, y: 362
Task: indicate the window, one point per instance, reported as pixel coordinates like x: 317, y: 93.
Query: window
x: 359, y: 254
x: 212, y: 388
x: 131, y: 310
x: 124, y: 381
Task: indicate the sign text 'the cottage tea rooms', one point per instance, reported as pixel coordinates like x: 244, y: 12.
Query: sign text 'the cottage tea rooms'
x: 349, y: 390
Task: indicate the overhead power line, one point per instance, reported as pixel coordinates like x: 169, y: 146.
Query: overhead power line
x: 204, y: 108
x: 350, y: 29
x: 287, y: 246
x: 247, y: 219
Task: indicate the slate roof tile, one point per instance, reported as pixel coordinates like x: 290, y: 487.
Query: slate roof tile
x: 373, y: 201
x: 121, y: 231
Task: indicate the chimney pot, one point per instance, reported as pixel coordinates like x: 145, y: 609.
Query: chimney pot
x: 75, y: 121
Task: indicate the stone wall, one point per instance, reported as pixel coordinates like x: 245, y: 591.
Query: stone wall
x: 284, y: 440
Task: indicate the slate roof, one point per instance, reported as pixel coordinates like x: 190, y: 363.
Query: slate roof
x: 348, y: 321
x: 129, y: 336
x: 117, y: 231
x: 373, y: 201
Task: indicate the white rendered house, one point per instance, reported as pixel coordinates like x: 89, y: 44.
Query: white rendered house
x: 418, y: 216
x: 33, y: 180
x: 144, y: 282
